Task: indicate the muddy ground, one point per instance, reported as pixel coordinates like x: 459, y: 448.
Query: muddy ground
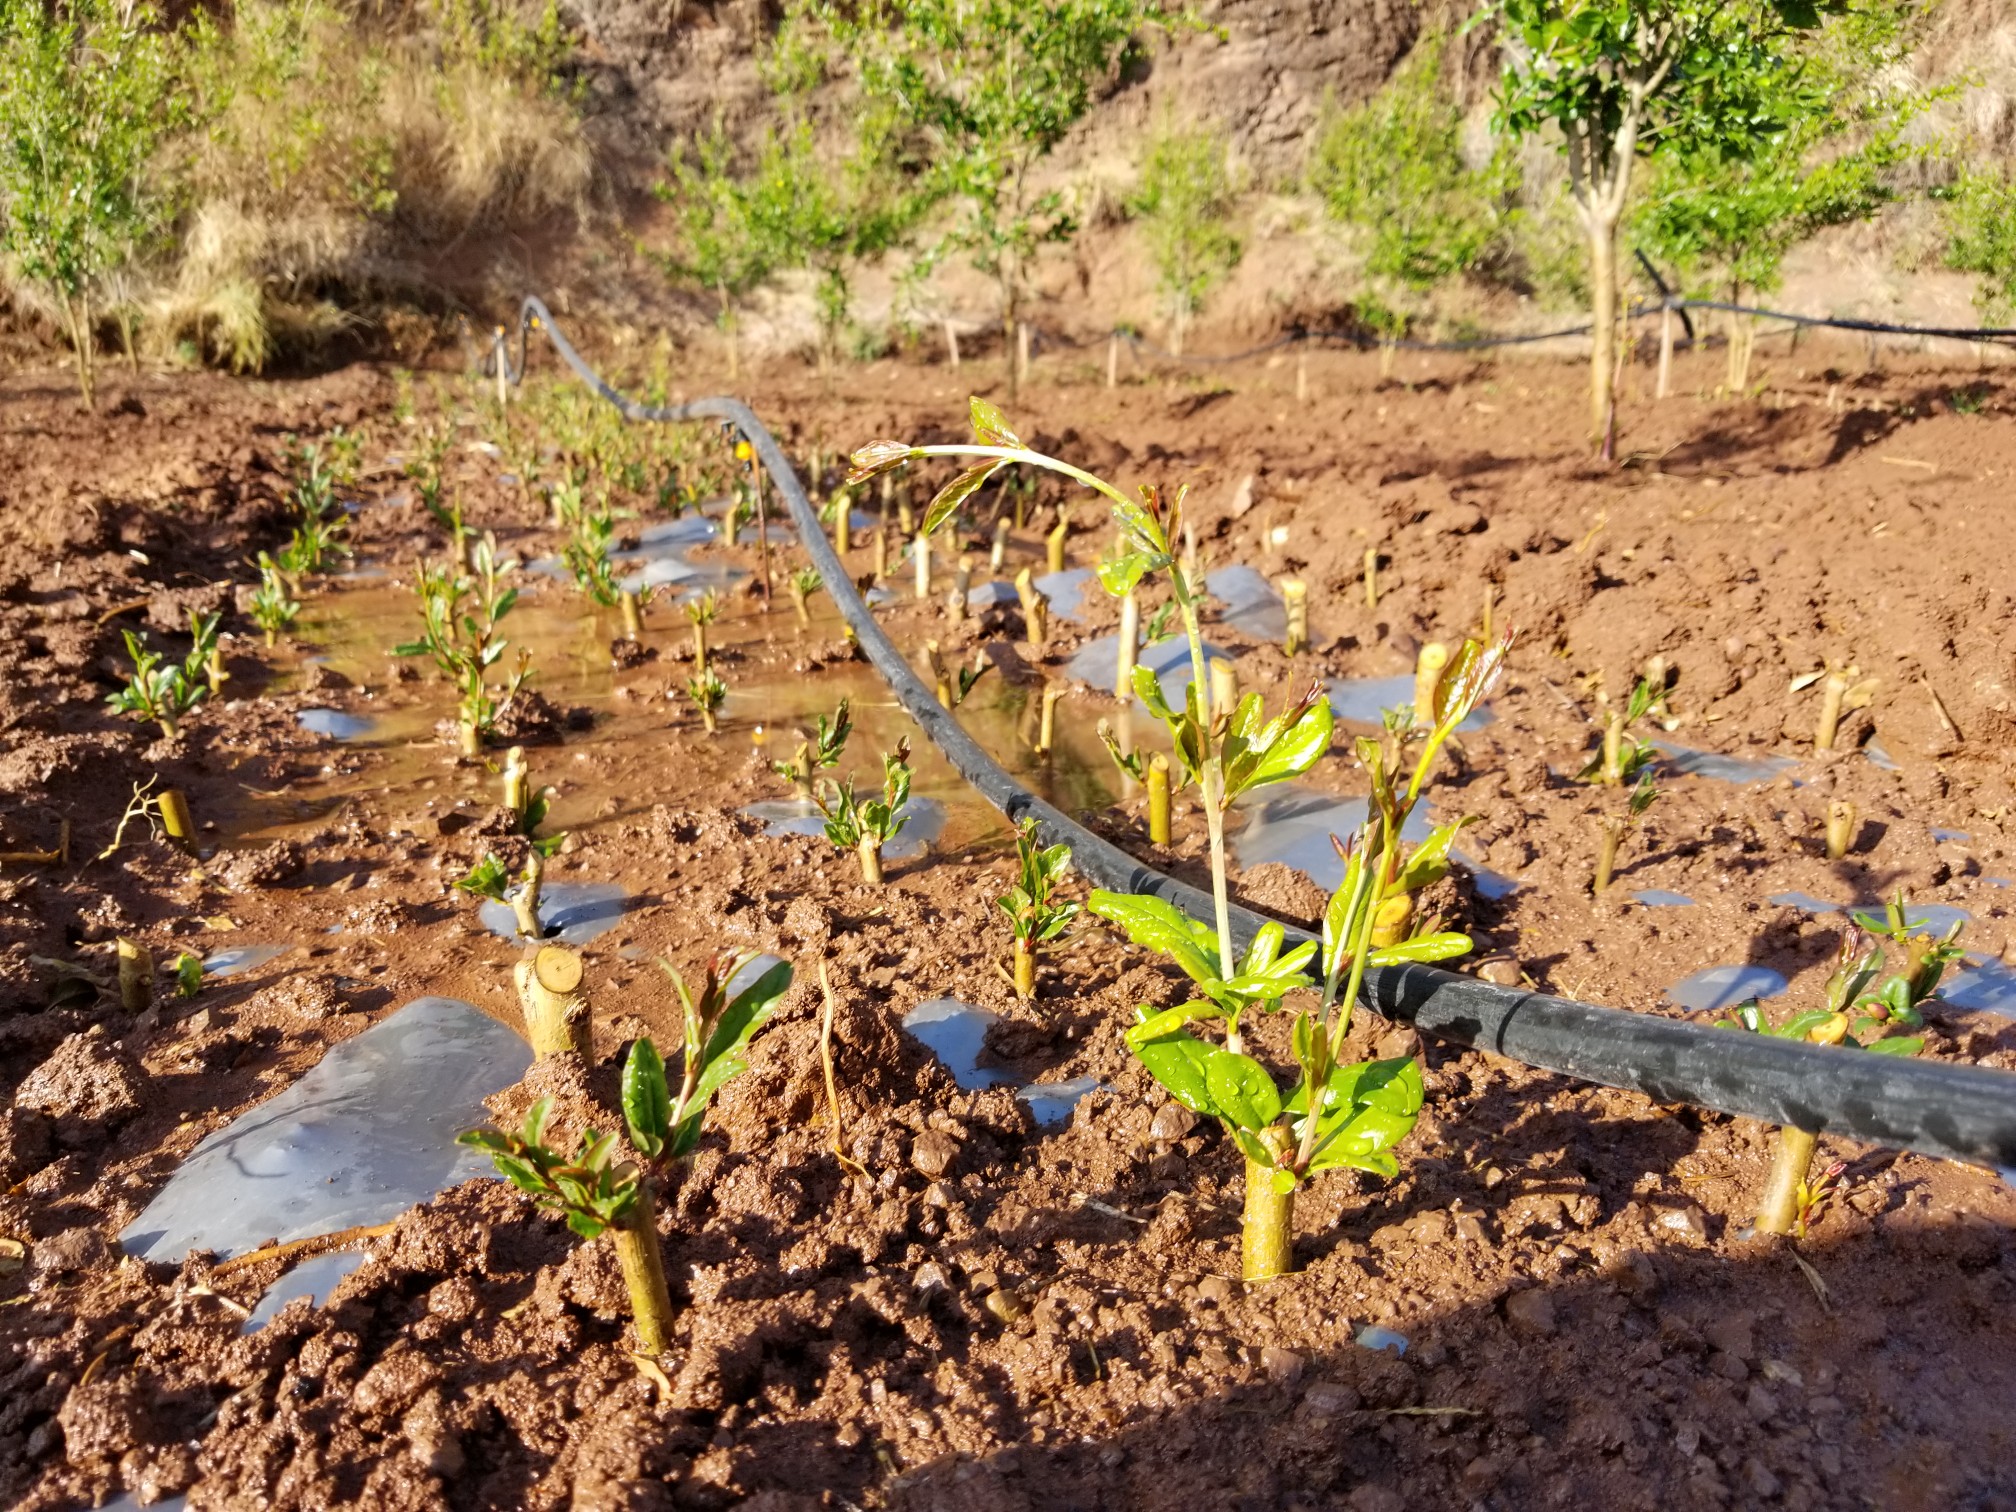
x: 999, y: 1316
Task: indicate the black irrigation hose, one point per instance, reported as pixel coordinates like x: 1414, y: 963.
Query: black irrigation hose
x: 1948, y: 1111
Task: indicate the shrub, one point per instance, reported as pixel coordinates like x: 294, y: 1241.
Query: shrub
x: 1183, y: 199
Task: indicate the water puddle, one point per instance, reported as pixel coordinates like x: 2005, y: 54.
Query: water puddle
x: 1365, y: 700
x: 1720, y: 987
x: 1659, y: 897
x: 956, y: 1033
x: 334, y: 724
x: 241, y: 958
x: 1686, y: 761
x: 924, y: 821
x: 364, y: 1135
x: 571, y: 912
x: 1293, y: 825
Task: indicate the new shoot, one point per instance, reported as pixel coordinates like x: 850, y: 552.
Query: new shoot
x: 460, y: 614
x: 866, y: 825
x: 164, y: 691
x: 597, y: 1193
x: 821, y: 751
x: 274, y: 608
x: 1860, y: 1013
x: 1035, y: 914
x: 702, y: 611
x: 707, y: 693
x: 804, y: 583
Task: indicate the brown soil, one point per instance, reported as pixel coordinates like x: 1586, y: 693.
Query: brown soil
x: 999, y: 1317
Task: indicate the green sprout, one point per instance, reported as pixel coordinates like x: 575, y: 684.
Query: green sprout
x: 460, y: 614
x: 587, y: 556
x: 1860, y: 1013
x: 188, y: 969
x: 708, y: 692
x: 865, y: 826
x: 954, y: 683
x: 525, y: 808
x: 702, y: 610
x: 273, y: 608
x: 1612, y: 829
x: 490, y: 878
x: 804, y: 583
x: 819, y: 753
x: 1034, y: 912
x: 163, y: 691
x: 318, y: 535
x: 594, y: 1191
x: 1624, y: 755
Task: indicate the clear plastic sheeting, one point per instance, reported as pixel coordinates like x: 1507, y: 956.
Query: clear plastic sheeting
x: 1720, y: 987
x: 364, y: 1135
x: 573, y: 913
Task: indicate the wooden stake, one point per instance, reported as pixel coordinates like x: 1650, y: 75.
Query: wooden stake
x: 1130, y: 642
x: 549, y: 991
x: 136, y: 976
x: 503, y: 372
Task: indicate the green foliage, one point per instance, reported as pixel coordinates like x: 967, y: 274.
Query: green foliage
x: 707, y: 692
x: 989, y: 88
x: 1981, y: 229
x: 1623, y: 755
x: 589, y: 1188
x: 1393, y: 168
x: 164, y: 691
x: 460, y: 613
x: 318, y: 534
x: 718, y: 1030
x: 1823, y: 152
x: 1184, y: 199
x: 488, y: 878
x: 188, y: 969
x: 86, y: 97
x: 1034, y: 912
x: 852, y: 820
x: 587, y: 554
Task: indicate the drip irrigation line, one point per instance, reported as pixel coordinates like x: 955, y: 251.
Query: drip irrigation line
x: 1948, y: 1111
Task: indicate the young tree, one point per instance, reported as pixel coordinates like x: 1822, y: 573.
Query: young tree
x: 1183, y: 198
x: 1623, y: 79
x: 1981, y: 229
x: 1725, y: 222
x: 992, y: 86
x: 722, y: 241
x: 86, y: 96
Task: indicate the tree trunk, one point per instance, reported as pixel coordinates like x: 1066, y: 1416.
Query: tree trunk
x: 1603, y: 315
x: 79, y: 313
x: 728, y: 326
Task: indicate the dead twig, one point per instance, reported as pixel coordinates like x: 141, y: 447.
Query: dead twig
x: 847, y: 1163
x: 315, y: 1244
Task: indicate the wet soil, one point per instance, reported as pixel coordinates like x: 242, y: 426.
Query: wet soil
x: 997, y: 1315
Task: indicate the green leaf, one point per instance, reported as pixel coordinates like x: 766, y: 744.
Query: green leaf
x: 1430, y: 861
x: 1242, y: 1089
x: 989, y: 428
x: 1163, y: 928
x: 686, y: 1135
x: 1177, y: 1061
x: 1169, y: 1020
x: 1896, y: 1045
x: 1366, y: 1110
x: 1435, y: 947
x: 1118, y: 575
x: 647, y: 1102
x: 957, y: 492
x: 747, y: 1012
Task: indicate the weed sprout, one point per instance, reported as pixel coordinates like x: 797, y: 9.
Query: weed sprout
x: 820, y: 752
x: 597, y: 1193
x: 1034, y: 912
x: 865, y: 826
x: 1860, y: 1013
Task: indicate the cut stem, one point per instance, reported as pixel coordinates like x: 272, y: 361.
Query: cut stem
x: 1295, y: 599
x: 843, y: 526
x: 1056, y: 543
x: 1224, y: 687
x: 1779, y: 1213
x: 1841, y: 818
x: 1371, y: 577
x: 799, y: 606
x: 643, y: 1265
x: 1428, y: 669
x: 1833, y: 690
x: 699, y: 648
x: 1025, y: 970
x: 1130, y: 645
x: 1035, y: 610
x: 1267, y: 1230
x: 1158, y: 799
x: 870, y: 851
x: 920, y: 554
x: 998, y: 557
x: 1046, y: 730
x: 557, y: 1016
x: 525, y: 902
x: 175, y: 818
x: 962, y: 589
x: 633, y: 615
x: 1610, y: 834
x: 136, y: 976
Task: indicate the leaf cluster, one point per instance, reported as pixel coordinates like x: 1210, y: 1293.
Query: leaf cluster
x: 161, y: 690
x: 851, y: 819
x: 1035, y: 913
x: 460, y: 613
